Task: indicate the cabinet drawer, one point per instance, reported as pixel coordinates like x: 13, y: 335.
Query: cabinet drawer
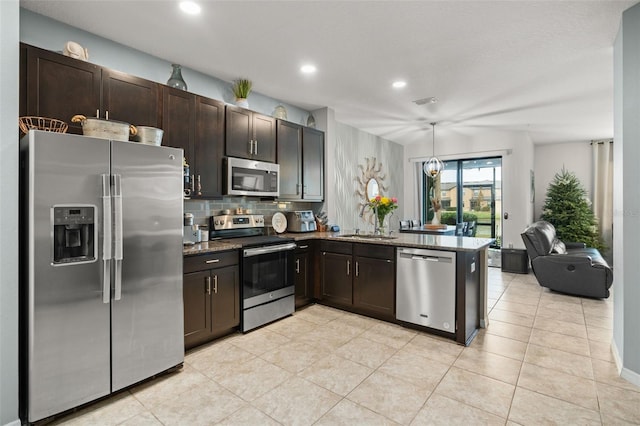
x: 375, y: 251
x: 209, y: 261
x: 336, y: 247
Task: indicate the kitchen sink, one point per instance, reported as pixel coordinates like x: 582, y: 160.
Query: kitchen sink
x: 368, y: 236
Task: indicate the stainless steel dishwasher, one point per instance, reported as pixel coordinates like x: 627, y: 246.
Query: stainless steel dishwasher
x: 426, y: 288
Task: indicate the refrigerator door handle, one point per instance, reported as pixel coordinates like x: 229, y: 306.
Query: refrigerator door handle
x: 106, y: 238
x: 117, y: 238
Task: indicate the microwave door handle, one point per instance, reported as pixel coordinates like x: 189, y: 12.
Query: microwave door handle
x: 106, y: 239
x: 117, y: 255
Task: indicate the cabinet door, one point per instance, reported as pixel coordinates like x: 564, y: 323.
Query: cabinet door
x: 177, y: 121
x: 225, y: 298
x: 209, y: 145
x: 289, y: 159
x: 374, y: 286
x: 130, y: 99
x: 302, y: 278
x: 264, y: 136
x: 238, y: 132
x: 312, y: 164
x: 61, y: 87
x: 337, y: 270
x: 197, y: 307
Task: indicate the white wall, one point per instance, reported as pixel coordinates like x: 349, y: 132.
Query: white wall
x: 626, y: 199
x: 9, y: 53
x: 352, y: 148
x: 549, y: 159
x: 516, y: 150
x: 46, y: 33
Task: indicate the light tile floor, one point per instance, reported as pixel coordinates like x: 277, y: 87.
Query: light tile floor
x: 544, y: 359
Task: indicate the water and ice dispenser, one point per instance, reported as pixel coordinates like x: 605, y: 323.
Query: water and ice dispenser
x: 74, y: 234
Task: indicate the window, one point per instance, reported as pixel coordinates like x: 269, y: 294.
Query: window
x: 470, y: 190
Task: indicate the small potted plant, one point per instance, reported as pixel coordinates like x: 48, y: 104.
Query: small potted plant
x: 241, y: 89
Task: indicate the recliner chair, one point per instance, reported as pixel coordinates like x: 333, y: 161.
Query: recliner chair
x: 569, y: 268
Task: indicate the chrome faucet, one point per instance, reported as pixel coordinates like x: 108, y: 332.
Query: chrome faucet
x: 364, y: 206
x: 376, y: 228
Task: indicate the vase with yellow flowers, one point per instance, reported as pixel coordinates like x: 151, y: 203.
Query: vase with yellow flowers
x: 381, y: 207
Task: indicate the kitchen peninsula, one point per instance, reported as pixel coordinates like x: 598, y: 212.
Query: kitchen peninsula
x: 358, y: 273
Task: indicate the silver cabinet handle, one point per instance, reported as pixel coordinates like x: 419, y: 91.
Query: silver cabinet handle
x: 256, y: 142
x: 117, y: 238
x: 207, y: 280
x: 297, y: 266
x: 297, y: 189
x: 106, y: 115
x: 357, y: 269
x: 303, y: 247
x: 251, y: 146
x: 193, y: 184
x: 198, y: 186
x: 98, y: 113
x: 215, y: 284
x: 348, y: 267
x: 212, y: 261
x: 106, y: 239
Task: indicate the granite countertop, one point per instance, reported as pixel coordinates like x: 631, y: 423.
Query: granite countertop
x: 208, y: 247
x: 425, y: 241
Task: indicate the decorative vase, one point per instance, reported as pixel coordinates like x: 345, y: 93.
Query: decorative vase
x: 381, y: 227
x: 176, y: 79
x: 436, y: 219
x: 311, y: 121
x: 280, y: 112
x: 242, y: 102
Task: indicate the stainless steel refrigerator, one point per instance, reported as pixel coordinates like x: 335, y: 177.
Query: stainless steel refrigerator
x: 101, y: 273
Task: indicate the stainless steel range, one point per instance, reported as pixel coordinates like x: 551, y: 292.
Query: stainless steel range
x: 267, y: 291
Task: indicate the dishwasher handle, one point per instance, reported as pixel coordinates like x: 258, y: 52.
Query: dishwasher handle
x: 428, y: 258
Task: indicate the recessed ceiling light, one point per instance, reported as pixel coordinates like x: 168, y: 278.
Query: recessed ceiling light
x: 190, y: 7
x: 308, y: 69
x: 399, y: 84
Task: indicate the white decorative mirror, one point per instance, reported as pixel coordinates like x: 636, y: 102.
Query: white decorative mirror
x: 370, y: 185
x: 373, y: 190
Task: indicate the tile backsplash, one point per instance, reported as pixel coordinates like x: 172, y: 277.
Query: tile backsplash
x: 203, y: 209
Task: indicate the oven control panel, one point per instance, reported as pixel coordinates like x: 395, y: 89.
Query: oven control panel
x: 238, y: 221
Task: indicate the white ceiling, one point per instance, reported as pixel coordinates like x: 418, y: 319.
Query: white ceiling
x: 545, y: 67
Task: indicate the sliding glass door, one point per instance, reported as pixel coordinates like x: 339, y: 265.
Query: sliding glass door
x: 469, y: 190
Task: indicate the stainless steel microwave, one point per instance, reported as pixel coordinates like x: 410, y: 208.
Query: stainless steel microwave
x: 249, y: 177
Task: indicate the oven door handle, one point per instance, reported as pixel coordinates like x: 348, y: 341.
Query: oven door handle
x: 268, y: 249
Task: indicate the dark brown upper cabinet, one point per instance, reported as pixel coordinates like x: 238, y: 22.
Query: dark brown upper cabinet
x: 250, y: 135
x: 60, y: 87
x: 196, y: 124
x: 301, y: 160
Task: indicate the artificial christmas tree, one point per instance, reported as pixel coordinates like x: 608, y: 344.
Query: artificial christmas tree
x: 568, y: 210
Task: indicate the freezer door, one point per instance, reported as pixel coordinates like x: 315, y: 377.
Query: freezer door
x: 65, y: 314
x: 147, y: 319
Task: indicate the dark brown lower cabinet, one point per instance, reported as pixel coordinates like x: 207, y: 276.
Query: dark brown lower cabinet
x: 303, y: 261
x: 359, y: 278
x: 211, y: 292
x: 337, y: 283
x: 374, y: 288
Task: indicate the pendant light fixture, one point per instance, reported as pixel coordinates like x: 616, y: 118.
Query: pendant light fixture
x: 434, y: 166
